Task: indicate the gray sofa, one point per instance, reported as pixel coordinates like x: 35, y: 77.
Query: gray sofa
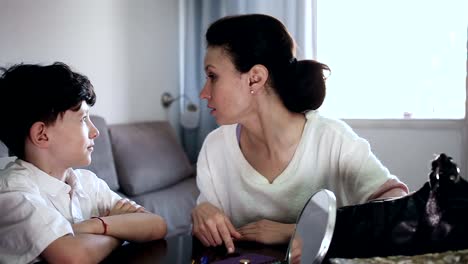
x: 144, y: 162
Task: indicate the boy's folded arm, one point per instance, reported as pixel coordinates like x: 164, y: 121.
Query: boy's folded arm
x: 137, y: 227
x: 89, y: 245
x: 81, y: 248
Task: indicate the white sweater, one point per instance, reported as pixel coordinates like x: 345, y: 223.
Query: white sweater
x: 330, y: 155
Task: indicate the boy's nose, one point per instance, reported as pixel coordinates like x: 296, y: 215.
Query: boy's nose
x: 96, y: 133
x: 93, y: 132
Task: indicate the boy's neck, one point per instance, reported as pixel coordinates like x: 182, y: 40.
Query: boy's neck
x: 47, y: 165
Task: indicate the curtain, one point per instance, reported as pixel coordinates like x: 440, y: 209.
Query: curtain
x: 465, y: 127
x: 196, y: 15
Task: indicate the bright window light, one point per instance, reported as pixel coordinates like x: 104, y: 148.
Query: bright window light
x: 394, y: 59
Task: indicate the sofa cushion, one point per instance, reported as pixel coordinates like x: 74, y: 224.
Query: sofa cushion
x: 148, y: 156
x: 102, y: 163
x: 174, y: 204
x: 3, y: 150
x: 5, y: 160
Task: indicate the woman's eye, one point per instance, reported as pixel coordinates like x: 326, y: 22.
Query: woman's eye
x: 84, y: 119
x: 211, y: 76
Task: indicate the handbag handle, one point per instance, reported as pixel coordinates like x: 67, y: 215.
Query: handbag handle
x: 444, y: 172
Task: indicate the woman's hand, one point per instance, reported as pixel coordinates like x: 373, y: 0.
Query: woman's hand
x: 212, y: 227
x: 267, y: 232
x: 125, y: 206
x: 296, y: 250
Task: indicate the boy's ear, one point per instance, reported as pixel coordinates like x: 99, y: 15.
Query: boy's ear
x: 38, y: 135
x: 258, y: 76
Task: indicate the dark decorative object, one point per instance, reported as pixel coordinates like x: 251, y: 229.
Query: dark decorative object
x: 432, y: 219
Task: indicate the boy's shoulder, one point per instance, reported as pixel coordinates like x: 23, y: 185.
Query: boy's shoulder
x: 87, y: 178
x: 87, y: 182
x: 14, y: 177
x: 85, y: 175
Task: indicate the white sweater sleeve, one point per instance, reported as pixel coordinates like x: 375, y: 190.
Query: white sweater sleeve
x: 205, y: 178
x: 362, y: 172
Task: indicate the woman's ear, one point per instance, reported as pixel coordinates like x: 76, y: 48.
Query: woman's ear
x: 38, y: 135
x: 258, y: 76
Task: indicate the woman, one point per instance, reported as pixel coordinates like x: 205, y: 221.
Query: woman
x: 273, y: 149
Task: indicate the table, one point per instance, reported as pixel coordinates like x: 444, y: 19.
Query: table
x: 448, y: 257
x: 183, y: 249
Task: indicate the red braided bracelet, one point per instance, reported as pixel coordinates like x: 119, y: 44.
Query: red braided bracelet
x: 103, y: 224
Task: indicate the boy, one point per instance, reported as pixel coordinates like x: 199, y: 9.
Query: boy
x: 49, y: 210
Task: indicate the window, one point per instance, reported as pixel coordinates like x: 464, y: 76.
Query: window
x: 394, y: 59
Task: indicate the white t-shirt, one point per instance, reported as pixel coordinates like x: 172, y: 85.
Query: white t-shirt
x: 329, y: 155
x: 37, y: 209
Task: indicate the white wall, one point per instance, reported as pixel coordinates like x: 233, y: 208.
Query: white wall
x: 125, y: 47
x: 406, y: 147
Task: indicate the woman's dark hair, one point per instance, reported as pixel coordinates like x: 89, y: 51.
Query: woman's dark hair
x: 261, y: 39
x: 30, y: 93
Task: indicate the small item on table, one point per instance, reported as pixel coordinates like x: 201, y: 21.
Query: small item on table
x: 204, y: 260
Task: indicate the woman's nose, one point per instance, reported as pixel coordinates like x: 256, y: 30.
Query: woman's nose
x: 205, y: 92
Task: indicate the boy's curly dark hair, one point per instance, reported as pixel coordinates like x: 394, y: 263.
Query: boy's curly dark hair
x: 32, y: 93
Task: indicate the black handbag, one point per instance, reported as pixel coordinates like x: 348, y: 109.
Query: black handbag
x: 432, y: 219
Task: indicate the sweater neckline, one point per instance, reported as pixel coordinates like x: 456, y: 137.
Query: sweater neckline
x: 249, y: 173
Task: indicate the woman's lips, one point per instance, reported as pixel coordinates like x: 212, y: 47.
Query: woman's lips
x: 212, y: 109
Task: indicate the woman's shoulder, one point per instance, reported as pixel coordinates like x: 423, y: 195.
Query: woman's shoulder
x: 219, y: 135
x: 220, y: 141
x: 328, y: 124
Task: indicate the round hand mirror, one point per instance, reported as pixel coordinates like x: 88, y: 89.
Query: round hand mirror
x: 314, y: 229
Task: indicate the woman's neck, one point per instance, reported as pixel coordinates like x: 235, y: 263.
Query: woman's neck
x: 273, y: 127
